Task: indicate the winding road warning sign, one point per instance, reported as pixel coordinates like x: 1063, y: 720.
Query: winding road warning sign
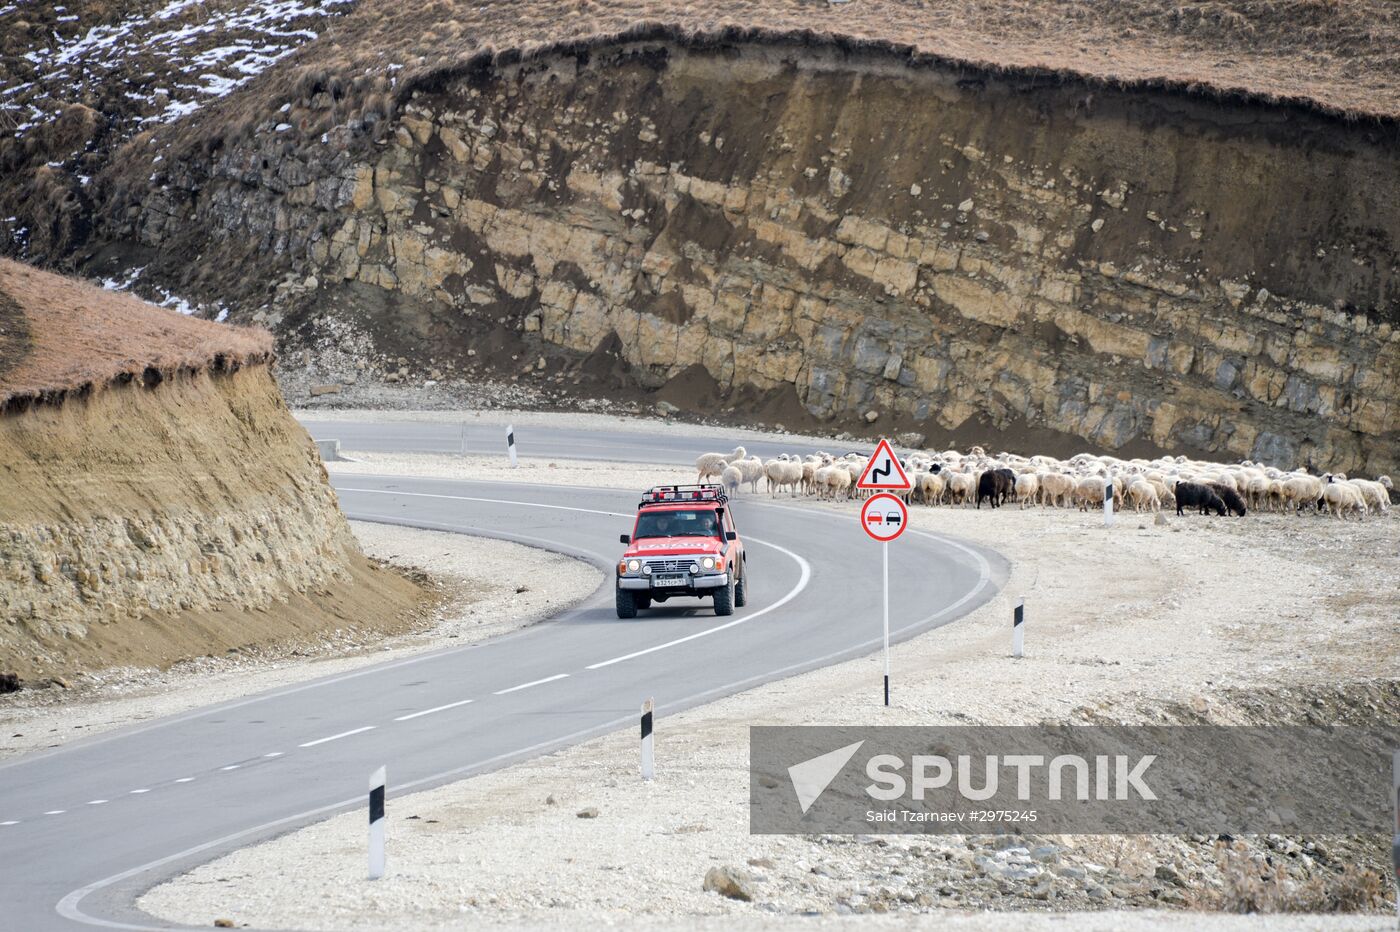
x: 884, y: 517
x: 883, y: 472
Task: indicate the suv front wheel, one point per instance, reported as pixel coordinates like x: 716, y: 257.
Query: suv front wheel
x: 626, y: 604
x: 724, y: 599
x: 741, y: 590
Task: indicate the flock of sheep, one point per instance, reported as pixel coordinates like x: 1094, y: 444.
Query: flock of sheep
x: 1082, y: 481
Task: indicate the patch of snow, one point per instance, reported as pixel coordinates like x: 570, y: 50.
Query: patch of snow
x: 221, y: 316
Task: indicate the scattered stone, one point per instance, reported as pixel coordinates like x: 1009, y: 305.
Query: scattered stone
x: 223, y: 923
x: 731, y: 882
x: 327, y: 388
x: 765, y: 863
x: 589, y: 813
x: 60, y: 682
x: 965, y: 207
x: 915, y: 190
x: 1097, y: 225
x: 1169, y: 874
x: 666, y: 409
x: 872, y: 416
x: 550, y: 800
x: 910, y: 438
x: 1160, y: 520
x: 9, y: 683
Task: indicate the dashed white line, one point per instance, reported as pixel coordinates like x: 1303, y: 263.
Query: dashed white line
x: 185, y: 780
x: 230, y: 767
x: 547, y: 679
x: 139, y: 792
x: 56, y: 812
x: 343, y: 734
x: 441, y: 708
x: 11, y: 822
x: 96, y: 802
x: 273, y: 754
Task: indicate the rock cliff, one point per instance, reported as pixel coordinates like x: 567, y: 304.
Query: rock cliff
x: 173, y: 512
x: 936, y: 249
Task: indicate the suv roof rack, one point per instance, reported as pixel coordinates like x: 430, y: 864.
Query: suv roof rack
x: 679, y: 494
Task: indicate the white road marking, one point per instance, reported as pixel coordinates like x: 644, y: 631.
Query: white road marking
x: 56, y: 812
x: 96, y: 802
x: 11, y: 822
x: 441, y: 708
x: 547, y: 679
x: 343, y: 734
x: 185, y: 780
x: 139, y: 792
x: 273, y: 754
x: 230, y: 767
x: 806, y: 568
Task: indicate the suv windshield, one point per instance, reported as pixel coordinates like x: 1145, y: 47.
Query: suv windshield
x: 677, y: 524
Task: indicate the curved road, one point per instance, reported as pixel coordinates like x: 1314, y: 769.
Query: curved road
x: 88, y: 827
x: 487, y: 437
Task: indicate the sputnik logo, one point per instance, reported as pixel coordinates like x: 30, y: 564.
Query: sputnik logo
x: 811, y: 777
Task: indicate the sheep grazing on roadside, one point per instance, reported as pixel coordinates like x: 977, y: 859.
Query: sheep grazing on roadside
x: 1377, y: 496
x: 1143, y: 495
x: 730, y: 477
x: 1196, y: 495
x: 1233, y: 502
x: 995, y: 484
x: 1342, y: 498
x: 1027, y: 489
x: 1056, y: 489
x: 710, y: 465
x: 752, y: 469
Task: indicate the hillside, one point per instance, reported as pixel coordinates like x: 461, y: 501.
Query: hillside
x: 157, y: 501
x: 1137, y: 226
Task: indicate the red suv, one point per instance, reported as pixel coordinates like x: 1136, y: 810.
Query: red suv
x: 684, y: 543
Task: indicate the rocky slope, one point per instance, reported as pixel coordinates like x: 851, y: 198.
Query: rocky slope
x: 806, y: 229
x: 158, y: 503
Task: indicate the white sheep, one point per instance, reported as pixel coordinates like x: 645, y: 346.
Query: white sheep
x: 1342, y: 498
x: 730, y: 477
x: 712, y: 464
x: 1027, y: 488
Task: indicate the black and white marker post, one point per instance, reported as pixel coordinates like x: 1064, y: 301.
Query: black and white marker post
x: 510, y: 446
x: 1018, y: 630
x: 1395, y: 841
x: 648, y: 761
x: 376, y: 824
x: 1108, y: 503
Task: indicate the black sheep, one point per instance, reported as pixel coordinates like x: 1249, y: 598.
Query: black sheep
x: 1230, y: 497
x: 994, y: 484
x: 1195, y: 495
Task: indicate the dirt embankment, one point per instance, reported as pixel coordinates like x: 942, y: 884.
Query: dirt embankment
x: 173, y: 513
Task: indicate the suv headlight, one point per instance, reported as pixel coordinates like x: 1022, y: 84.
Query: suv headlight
x: 634, y: 565
x: 708, y: 563
x: 646, y: 570
x: 694, y: 568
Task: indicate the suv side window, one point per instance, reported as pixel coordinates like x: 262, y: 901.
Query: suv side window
x: 726, y: 522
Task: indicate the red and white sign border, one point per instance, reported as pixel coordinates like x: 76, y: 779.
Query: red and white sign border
x: 884, y: 500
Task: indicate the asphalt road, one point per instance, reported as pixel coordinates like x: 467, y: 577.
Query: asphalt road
x: 88, y: 827
x: 488, y: 437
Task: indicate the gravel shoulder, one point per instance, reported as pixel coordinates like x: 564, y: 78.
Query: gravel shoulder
x: 1124, y: 622
x: 479, y: 578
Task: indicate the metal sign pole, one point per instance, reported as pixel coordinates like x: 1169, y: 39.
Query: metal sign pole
x: 886, y: 548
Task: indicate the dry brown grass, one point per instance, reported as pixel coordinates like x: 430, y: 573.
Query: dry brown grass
x: 1338, y: 56
x: 1253, y: 885
x: 60, y: 336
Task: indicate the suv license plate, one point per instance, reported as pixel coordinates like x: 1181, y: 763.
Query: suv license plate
x: 658, y: 581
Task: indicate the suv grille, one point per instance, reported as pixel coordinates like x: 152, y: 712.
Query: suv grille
x: 669, y: 566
